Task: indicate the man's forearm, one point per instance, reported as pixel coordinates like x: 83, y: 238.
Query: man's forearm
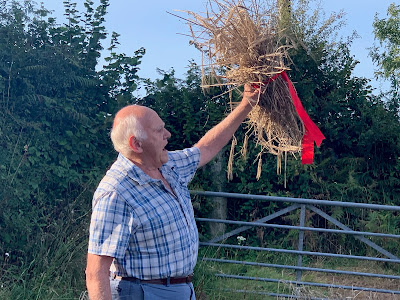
x: 215, y: 139
x: 98, y: 277
x: 99, y: 288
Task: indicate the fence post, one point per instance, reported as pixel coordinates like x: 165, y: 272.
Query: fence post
x: 219, y: 204
x: 301, y: 240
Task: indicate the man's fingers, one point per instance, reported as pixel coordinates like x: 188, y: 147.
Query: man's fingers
x: 252, y: 94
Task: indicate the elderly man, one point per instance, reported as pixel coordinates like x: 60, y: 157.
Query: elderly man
x: 143, y: 237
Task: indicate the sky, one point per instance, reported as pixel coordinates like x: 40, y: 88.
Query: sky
x: 148, y: 24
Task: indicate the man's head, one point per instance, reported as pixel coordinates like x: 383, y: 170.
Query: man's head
x: 139, y: 134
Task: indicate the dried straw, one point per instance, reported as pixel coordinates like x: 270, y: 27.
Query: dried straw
x: 244, y: 42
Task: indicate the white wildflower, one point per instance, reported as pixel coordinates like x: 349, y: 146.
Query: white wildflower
x: 240, y: 239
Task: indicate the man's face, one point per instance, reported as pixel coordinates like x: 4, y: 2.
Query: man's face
x: 154, y: 151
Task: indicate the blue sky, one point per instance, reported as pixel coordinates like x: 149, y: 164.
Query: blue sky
x: 147, y: 24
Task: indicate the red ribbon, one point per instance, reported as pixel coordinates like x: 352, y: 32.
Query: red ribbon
x: 312, y: 133
x: 256, y: 86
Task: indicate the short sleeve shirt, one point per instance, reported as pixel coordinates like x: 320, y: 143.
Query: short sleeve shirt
x: 150, y: 232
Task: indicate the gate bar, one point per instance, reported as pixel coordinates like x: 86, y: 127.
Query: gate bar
x: 296, y: 200
x: 258, y: 223
x: 247, y: 263
x: 300, y: 252
x: 359, y: 288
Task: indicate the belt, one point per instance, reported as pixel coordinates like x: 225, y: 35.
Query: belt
x: 163, y: 281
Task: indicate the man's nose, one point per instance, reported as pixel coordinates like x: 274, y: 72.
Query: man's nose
x: 167, y: 134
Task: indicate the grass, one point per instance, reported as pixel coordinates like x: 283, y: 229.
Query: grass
x: 208, y: 286
x: 56, y: 271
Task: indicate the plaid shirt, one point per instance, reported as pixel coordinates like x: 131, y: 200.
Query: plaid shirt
x: 150, y: 232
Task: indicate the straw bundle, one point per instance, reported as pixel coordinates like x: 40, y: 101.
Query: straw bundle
x: 246, y: 41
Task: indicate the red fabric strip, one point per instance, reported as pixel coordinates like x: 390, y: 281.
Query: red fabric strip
x: 312, y: 133
x: 257, y: 86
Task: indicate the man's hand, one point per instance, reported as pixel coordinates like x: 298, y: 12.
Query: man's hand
x: 251, y: 95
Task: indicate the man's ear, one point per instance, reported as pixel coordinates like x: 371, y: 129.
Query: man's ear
x: 135, y: 145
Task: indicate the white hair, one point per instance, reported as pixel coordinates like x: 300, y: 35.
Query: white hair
x: 123, y: 130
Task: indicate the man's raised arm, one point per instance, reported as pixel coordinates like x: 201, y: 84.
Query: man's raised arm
x: 216, y: 138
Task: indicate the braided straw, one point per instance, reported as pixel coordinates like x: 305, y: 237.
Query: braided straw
x: 244, y: 42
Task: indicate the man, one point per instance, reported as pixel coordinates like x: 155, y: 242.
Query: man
x: 142, y: 230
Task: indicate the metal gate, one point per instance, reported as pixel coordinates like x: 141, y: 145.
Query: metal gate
x: 303, y: 205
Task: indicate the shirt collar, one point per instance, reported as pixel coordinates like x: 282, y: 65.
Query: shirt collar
x: 137, y: 174
x: 133, y: 171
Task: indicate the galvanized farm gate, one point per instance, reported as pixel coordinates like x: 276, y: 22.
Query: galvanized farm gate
x: 303, y: 205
